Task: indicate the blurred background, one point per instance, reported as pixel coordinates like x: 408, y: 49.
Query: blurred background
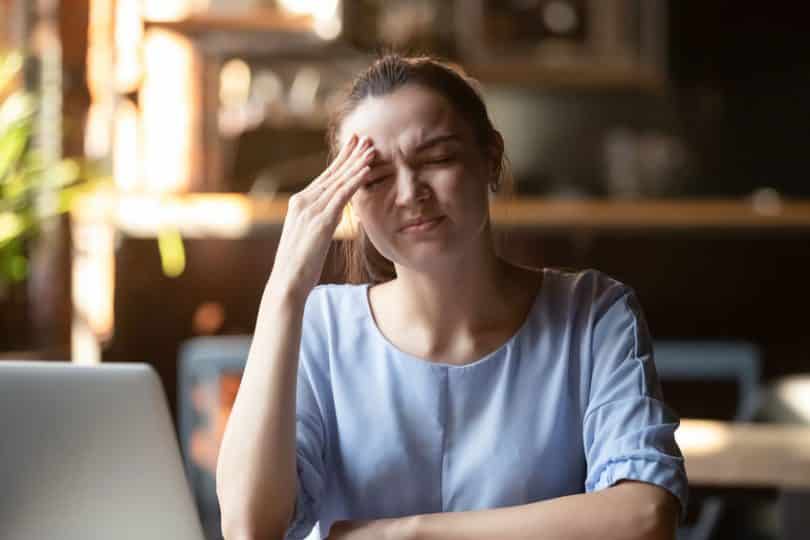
x: 147, y: 149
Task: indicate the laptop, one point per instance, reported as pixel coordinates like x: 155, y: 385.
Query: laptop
x: 89, y: 452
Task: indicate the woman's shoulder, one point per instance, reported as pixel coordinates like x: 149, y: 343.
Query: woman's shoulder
x: 587, y: 285
x: 331, y: 311
x: 575, y: 301
x: 330, y: 297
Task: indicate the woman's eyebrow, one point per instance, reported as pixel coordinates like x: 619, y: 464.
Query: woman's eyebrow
x: 450, y: 137
x: 421, y: 147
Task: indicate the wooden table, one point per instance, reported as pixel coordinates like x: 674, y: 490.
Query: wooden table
x: 731, y: 455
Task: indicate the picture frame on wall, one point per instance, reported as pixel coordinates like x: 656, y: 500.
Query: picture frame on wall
x: 584, y: 40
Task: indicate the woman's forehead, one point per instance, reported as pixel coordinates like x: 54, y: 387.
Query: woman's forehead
x: 405, y: 116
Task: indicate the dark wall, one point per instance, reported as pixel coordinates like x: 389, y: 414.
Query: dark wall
x: 740, y: 71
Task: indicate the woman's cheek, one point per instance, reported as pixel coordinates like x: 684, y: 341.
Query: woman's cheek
x: 371, y: 216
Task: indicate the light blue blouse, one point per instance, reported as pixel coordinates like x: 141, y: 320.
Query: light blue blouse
x: 570, y: 403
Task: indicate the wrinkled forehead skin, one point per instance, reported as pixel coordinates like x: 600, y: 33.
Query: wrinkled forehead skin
x: 399, y: 121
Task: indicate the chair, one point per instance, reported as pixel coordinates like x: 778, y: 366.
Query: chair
x: 210, y: 369
x: 729, y: 361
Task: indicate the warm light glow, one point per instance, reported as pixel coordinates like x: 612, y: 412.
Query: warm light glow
x: 328, y: 29
x: 766, y: 202
x: 701, y: 437
x: 167, y: 10
x: 794, y: 392
x: 267, y: 86
x: 327, y: 24
x: 93, y: 277
x: 303, y: 91
x: 99, y: 54
x: 345, y: 229
x: 128, y: 36
x: 126, y: 163
x: 319, y: 9
x: 192, y: 216
x: 167, y: 105
x: 84, y: 349
x: 234, y: 83
x: 96, y: 131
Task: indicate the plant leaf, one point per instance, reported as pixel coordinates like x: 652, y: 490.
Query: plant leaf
x: 11, y: 226
x: 13, y: 143
x: 18, y: 107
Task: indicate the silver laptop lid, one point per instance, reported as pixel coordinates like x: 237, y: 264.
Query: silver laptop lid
x: 89, y: 452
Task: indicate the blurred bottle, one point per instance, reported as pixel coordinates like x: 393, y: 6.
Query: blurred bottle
x: 644, y: 164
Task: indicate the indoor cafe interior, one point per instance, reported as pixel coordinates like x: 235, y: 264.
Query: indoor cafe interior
x: 149, y: 150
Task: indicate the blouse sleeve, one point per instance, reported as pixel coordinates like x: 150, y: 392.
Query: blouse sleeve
x: 312, y: 385
x: 628, y: 431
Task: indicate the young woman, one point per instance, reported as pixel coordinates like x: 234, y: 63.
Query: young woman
x: 450, y: 394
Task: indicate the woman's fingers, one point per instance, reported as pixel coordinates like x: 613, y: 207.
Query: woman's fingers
x: 342, y: 193
x: 348, y: 182
x: 341, y: 197
x: 351, y: 145
x: 313, y: 215
x: 359, y: 153
x: 354, y: 147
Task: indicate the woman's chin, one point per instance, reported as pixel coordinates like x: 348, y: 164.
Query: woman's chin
x: 424, y: 258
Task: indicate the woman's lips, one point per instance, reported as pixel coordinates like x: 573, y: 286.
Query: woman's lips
x: 423, y: 226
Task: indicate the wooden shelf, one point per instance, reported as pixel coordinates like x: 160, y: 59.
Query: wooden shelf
x: 240, y: 215
x: 254, y: 21
x: 584, y: 77
x: 649, y: 214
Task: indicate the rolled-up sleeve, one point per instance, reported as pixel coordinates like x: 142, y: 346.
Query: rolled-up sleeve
x: 628, y: 431
x: 311, y: 391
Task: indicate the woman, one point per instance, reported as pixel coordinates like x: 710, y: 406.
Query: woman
x: 453, y: 395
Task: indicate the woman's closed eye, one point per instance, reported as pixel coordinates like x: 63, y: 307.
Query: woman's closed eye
x: 376, y: 182
x: 438, y: 160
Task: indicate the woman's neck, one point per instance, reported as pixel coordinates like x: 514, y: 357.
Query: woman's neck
x: 459, y: 299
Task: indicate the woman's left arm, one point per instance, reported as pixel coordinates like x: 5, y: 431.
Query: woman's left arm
x: 627, y: 511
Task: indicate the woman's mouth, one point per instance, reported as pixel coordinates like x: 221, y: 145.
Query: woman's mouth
x: 422, y: 225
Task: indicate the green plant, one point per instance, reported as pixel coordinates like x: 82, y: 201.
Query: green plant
x: 31, y: 189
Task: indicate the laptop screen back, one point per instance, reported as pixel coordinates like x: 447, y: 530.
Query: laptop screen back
x: 89, y: 452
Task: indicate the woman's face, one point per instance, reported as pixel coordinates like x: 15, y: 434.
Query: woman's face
x: 428, y: 166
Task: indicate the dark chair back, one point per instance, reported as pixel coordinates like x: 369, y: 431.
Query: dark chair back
x: 711, y: 361
x: 205, y: 364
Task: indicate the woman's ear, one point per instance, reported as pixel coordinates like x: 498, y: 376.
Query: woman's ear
x: 496, y: 150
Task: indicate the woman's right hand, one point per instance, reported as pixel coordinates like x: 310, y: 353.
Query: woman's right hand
x: 313, y: 214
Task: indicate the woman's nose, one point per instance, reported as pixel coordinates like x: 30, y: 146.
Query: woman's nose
x: 409, y: 187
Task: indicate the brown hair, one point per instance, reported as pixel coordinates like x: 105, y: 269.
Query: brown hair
x: 363, y: 263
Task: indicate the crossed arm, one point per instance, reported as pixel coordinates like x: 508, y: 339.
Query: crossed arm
x: 629, y: 510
